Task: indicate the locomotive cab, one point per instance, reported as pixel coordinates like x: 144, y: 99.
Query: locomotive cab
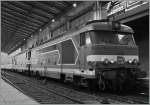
x: 110, y: 51
x: 106, y: 48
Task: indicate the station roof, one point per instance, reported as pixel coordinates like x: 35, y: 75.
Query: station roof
x: 20, y: 19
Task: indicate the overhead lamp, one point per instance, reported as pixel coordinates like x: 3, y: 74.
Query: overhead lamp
x: 40, y: 30
x: 23, y: 39
x: 74, y: 4
x: 53, y: 20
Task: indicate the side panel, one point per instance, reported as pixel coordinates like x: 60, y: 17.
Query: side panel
x: 69, y: 53
x: 66, y: 57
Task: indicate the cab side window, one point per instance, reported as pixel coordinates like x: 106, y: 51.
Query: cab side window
x: 82, y: 39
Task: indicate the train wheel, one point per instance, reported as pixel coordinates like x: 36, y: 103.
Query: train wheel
x: 120, y: 80
x: 114, y: 85
x: 76, y: 81
x: 117, y: 86
x: 62, y: 77
x: 31, y: 73
x: 37, y: 74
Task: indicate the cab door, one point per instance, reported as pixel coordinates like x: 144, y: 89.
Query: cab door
x: 82, y: 57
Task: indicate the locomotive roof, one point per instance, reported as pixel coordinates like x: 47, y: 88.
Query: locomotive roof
x: 107, y: 26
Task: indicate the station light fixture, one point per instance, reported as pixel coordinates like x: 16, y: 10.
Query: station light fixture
x: 53, y: 20
x: 74, y: 4
x: 24, y: 39
x: 40, y: 30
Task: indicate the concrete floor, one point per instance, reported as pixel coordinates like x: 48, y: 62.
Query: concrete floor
x: 10, y: 95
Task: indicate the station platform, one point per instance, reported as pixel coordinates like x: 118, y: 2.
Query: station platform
x: 10, y: 95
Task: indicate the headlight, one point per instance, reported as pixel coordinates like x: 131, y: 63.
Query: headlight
x: 106, y: 61
x: 112, y: 61
x: 130, y: 61
x: 135, y: 61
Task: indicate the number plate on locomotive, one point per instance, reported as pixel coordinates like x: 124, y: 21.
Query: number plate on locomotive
x: 120, y: 60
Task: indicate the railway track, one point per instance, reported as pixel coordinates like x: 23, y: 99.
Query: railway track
x: 38, y: 93
x: 130, y: 99
x: 56, y: 93
x: 46, y: 94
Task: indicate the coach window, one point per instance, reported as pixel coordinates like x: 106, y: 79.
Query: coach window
x: 82, y: 39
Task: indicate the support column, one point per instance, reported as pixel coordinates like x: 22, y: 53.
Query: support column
x: 99, y: 11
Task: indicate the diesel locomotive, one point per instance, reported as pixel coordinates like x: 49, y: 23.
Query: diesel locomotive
x: 101, y: 54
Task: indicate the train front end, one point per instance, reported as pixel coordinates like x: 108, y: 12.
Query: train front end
x: 113, y: 55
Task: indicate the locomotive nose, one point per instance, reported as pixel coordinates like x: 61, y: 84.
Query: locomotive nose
x: 112, y: 54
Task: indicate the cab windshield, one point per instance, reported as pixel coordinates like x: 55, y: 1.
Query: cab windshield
x: 100, y: 37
